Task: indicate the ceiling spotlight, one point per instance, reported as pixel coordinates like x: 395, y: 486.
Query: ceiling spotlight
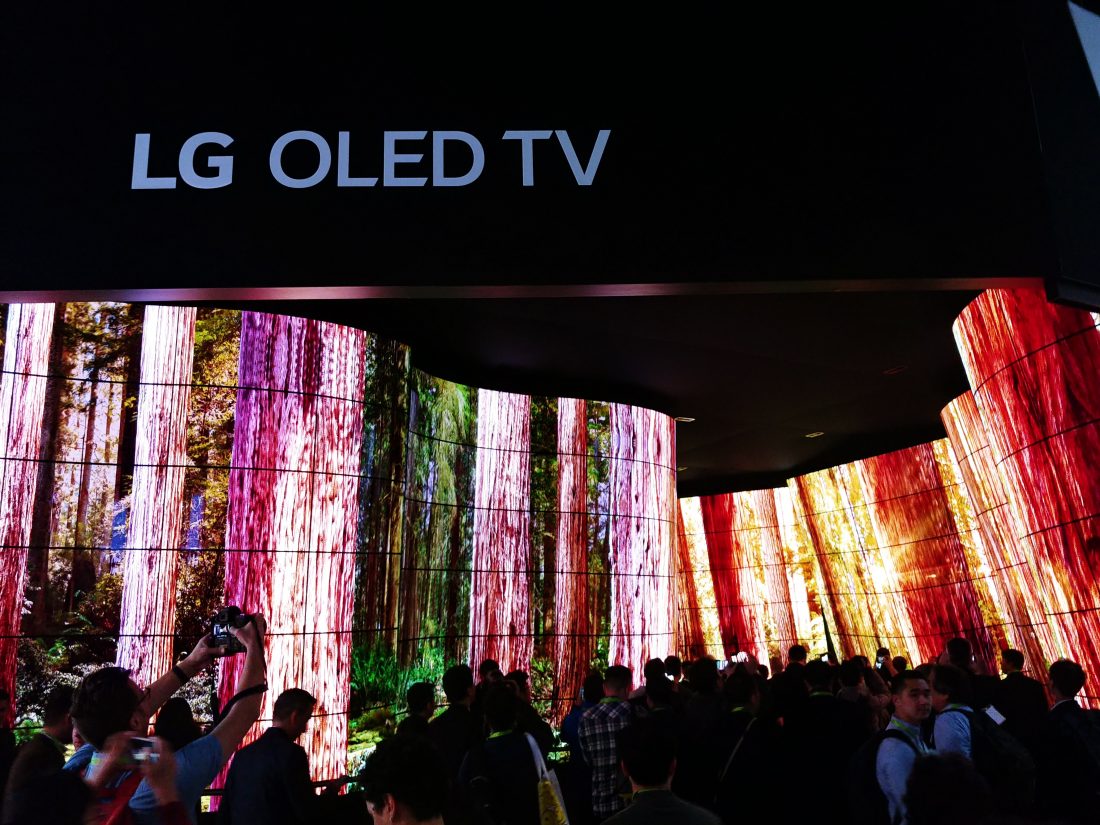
x: 896, y: 370
x: 680, y: 469
x: 814, y: 434
x: 684, y: 419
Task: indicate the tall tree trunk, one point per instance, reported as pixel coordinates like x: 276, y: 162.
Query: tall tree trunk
x: 409, y: 636
x: 155, y: 527
x: 573, y: 642
x: 501, y: 583
x: 82, y: 575
x: 127, y: 421
x: 643, y: 495
x: 454, y: 610
x: 293, y: 514
x: 41, y: 536
x: 22, y: 403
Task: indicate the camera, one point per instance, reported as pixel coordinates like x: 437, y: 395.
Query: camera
x: 141, y: 750
x: 224, y: 619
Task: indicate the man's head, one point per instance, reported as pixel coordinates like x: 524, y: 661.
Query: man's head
x: 796, y: 654
x: 647, y: 752
x: 404, y: 780
x: 488, y: 668
x: 1066, y: 679
x: 653, y: 669
x: 592, y: 689
x: 617, y: 681
x: 950, y: 684
x: 420, y: 699
x: 819, y: 675
x: 742, y: 690
x: 501, y: 707
x: 292, y: 711
x: 703, y: 675
x: 912, y: 697
x: 851, y: 673
x: 1012, y: 661
x: 959, y: 653
x: 56, y: 718
x: 458, y: 685
x: 658, y: 693
x: 674, y: 668
x: 107, y: 701
x: 522, y: 682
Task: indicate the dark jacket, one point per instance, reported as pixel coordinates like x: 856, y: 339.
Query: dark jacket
x: 1023, y: 703
x: 269, y: 784
x: 454, y: 732
x: 662, y: 808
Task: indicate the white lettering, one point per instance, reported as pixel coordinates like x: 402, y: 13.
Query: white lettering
x: 223, y: 164
x: 275, y: 161
x: 477, y: 162
x: 526, y: 137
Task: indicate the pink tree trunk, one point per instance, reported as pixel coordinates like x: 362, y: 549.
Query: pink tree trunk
x: 573, y: 642
x: 501, y: 582
x: 291, y: 524
x: 155, y: 525
x: 643, y: 498
x: 22, y: 403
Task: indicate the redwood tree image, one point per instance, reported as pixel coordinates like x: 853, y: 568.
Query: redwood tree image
x: 155, y: 526
x: 501, y: 583
x: 643, y: 493
x: 293, y: 513
x: 22, y: 402
x: 573, y: 642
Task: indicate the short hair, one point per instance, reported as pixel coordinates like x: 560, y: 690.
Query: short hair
x: 654, y: 669
x: 592, y: 689
x: 959, y: 651
x: 618, y: 677
x: 1013, y: 657
x: 520, y: 677
x: 103, y: 704
x: 457, y: 681
x: 659, y: 691
x: 176, y: 723
x: 797, y: 653
x: 762, y: 670
x: 487, y: 668
x: 703, y: 675
x: 647, y: 751
x: 1067, y: 676
x: 819, y: 674
x: 419, y: 696
x: 953, y: 682
x: 850, y: 673
x: 898, y: 683
x: 740, y: 687
x: 900, y: 663
x: 862, y: 660
x: 410, y: 769
x: 673, y: 666
x: 58, y: 703
x: 293, y: 700
x: 501, y: 707
x: 882, y: 653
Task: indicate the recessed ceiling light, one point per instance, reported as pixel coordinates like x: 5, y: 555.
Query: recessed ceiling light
x: 680, y: 469
x: 684, y: 419
x: 932, y: 576
x: 814, y: 434
x: 895, y: 370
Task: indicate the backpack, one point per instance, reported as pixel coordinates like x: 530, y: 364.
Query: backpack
x: 867, y: 804
x: 1002, y: 760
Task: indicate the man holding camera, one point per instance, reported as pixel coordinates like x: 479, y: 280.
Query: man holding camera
x: 109, y: 707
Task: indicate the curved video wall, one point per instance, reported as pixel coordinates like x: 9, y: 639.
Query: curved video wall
x: 161, y: 462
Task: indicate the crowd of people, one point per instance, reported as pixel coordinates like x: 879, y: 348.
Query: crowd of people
x: 699, y: 743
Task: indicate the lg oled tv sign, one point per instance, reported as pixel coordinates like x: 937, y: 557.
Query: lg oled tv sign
x: 390, y: 148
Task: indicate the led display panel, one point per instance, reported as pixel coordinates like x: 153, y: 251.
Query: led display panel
x: 159, y: 463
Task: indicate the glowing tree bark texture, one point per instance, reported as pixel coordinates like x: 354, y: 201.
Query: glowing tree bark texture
x: 1033, y: 369
x: 695, y: 590
x: 1014, y: 565
x: 501, y: 582
x: 22, y: 403
x: 756, y: 565
x: 643, y: 494
x: 292, y: 520
x: 895, y: 543
x: 154, y: 529
x: 573, y: 642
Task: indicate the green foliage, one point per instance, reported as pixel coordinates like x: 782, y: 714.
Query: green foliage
x: 199, y: 588
x: 37, y: 673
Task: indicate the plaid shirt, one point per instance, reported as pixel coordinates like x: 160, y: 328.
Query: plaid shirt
x: 597, y: 736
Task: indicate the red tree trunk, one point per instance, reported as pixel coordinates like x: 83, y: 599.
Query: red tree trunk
x: 573, y: 642
x: 22, y: 402
x: 643, y: 497
x: 501, y: 582
x: 292, y: 520
x: 155, y: 526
